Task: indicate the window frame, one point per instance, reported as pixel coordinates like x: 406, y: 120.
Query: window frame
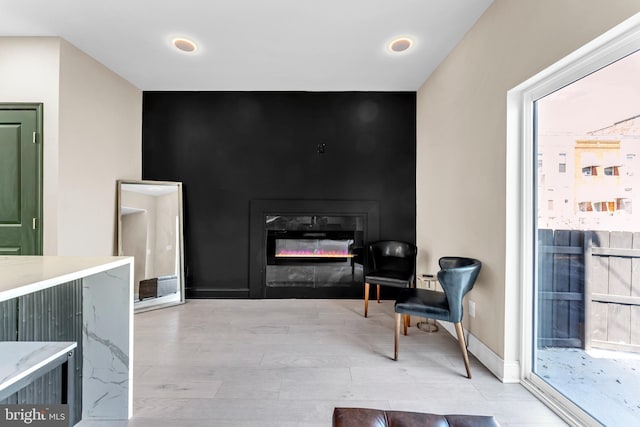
x: 562, y: 162
x: 613, y: 171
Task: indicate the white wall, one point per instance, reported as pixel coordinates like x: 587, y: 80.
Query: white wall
x: 461, y: 138
x: 92, y: 136
x: 30, y: 72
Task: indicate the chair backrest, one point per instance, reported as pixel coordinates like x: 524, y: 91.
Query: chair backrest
x: 457, y: 277
x: 393, y: 255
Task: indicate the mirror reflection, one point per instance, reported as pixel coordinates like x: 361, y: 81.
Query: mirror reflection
x: 150, y: 230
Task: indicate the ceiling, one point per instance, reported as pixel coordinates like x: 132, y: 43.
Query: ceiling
x: 261, y: 45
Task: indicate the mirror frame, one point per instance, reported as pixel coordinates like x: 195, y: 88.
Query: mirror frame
x: 148, y: 305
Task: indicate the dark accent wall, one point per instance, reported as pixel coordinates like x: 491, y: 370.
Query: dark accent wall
x: 229, y: 148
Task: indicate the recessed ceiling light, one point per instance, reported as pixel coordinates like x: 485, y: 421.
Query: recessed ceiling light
x: 400, y: 44
x: 184, y: 45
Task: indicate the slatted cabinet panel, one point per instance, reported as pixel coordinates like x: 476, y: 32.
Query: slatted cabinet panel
x: 8, y: 318
x: 53, y: 314
x: 9, y: 331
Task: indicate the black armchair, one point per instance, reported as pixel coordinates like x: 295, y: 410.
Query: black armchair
x: 457, y: 277
x: 393, y: 264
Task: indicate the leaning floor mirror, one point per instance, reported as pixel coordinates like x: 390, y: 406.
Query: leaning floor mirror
x: 150, y: 230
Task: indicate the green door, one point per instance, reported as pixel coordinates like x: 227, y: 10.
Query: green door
x: 20, y: 179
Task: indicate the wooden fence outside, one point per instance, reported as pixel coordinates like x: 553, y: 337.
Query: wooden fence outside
x: 589, y: 289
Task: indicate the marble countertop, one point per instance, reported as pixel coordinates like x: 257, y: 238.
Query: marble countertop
x: 18, y: 359
x: 21, y: 275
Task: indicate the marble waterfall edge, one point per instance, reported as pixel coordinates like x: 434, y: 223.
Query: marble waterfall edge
x: 107, y: 343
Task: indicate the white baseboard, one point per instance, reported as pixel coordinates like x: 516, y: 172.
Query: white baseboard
x: 507, y: 372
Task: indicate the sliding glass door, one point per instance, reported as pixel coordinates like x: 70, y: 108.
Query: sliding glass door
x: 586, y: 234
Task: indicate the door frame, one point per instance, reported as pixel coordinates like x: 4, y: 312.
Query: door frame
x: 521, y: 267
x: 38, y: 108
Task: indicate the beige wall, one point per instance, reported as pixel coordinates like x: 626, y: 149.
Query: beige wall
x: 92, y: 136
x: 461, y: 137
x: 100, y: 142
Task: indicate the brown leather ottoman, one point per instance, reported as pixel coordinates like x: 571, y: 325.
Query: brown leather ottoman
x: 361, y: 417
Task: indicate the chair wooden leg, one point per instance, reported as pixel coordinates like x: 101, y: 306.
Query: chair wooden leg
x: 396, y: 336
x: 378, y: 293
x: 463, y: 347
x: 413, y: 285
x: 405, y: 318
x: 366, y: 299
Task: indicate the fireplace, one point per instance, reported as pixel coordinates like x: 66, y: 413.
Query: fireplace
x: 291, y: 245
x: 313, y: 251
x: 309, y: 249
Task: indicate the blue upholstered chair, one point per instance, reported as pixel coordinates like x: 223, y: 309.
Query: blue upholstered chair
x: 456, y: 276
x: 393, y: 263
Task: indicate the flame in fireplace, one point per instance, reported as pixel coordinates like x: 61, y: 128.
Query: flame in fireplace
x: 313, y: 254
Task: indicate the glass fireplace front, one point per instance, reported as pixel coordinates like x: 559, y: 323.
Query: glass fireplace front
x: 314, y: 251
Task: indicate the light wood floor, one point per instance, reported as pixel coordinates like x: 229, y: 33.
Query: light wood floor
x: 288, y: 363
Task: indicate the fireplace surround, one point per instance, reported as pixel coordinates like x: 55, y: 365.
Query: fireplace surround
x: 309, y: 248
